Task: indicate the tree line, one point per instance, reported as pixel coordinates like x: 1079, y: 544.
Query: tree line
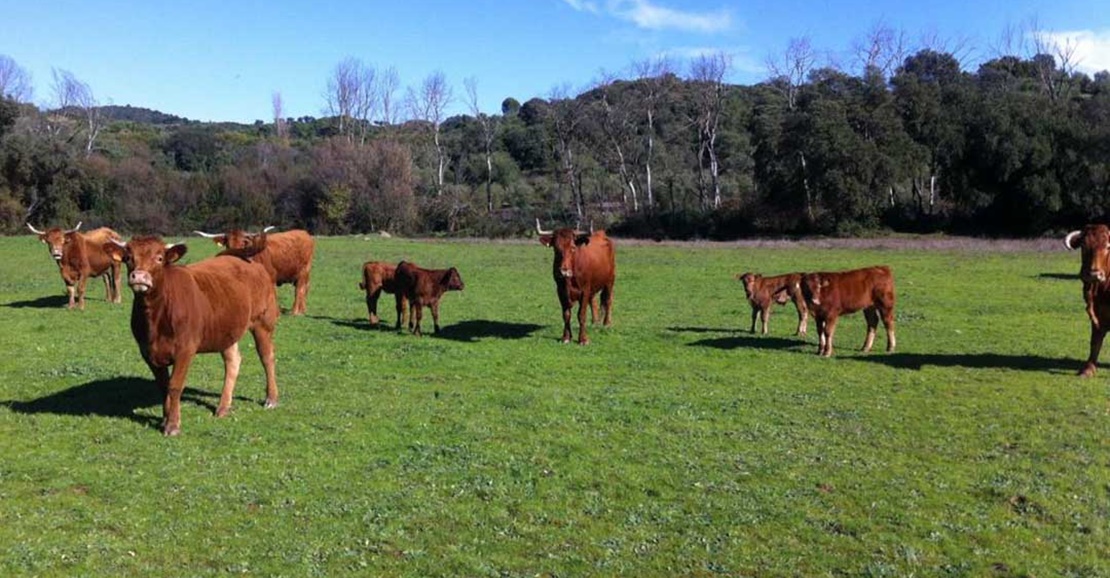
x: 1019, y: 146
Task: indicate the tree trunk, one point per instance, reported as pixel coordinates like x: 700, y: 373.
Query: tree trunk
x: 805, y: 187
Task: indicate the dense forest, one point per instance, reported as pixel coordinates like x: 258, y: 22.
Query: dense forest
x: 1020, y: 146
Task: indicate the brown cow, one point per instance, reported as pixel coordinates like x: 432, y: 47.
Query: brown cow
x: 205, y: 307
x: 1094, y: 270
x: 830, y: 295
x: 287, y: 257
x: 81, y: 256
x: 763, y: 291
x: 424, y: 287
x: 378, y: 276
x: 584, y: 265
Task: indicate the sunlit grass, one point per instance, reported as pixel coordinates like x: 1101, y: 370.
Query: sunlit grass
x: 675, y: 444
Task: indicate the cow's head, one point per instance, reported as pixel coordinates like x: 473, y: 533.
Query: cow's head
x: 146, y: 259
x: 55, y: 238
x: 1094, y: 242
x: 451, y: 280
x: 235, y: 238
x: 749, y: 281
x: 566, y: 242
x: 813, y: 286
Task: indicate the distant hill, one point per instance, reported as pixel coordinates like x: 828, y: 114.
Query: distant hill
x: 141, y: 115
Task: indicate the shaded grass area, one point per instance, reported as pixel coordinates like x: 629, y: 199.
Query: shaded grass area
x: 677, y: 443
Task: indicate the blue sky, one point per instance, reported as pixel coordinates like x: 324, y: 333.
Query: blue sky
x: 223, y: 60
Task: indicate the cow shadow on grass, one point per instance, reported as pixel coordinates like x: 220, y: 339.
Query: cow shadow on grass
x: 119, y: 397
x: 1059, y: 276
x: 917, y: 361
x: 750, y: 340
x: 44, y: 302
x: 475, y: 329
x: 361, y: 323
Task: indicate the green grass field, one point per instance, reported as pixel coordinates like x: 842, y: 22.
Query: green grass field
x: 675, y: 444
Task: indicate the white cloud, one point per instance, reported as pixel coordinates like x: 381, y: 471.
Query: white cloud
x: 648, y: 15
x: 583, y: 5
x: 1091, y: 48
x: 645, y: 14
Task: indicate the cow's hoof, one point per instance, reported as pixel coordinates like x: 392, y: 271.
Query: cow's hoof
x: 1088, y: 371
x: 270, y: 404
x: 584, y: 342
x: 170, y: 431
x: 222, y: 411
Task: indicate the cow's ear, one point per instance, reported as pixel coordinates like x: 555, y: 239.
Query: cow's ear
x: 175, y: 252
x: 116, y: 252
x: 545, y: 240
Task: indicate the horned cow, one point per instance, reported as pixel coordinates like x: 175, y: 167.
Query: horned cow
x: 287, y: 257
x: 584, y: 265
x: 81, y: 256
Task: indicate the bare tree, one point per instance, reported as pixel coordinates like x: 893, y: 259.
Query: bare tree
x: 793, y: 67
x: 388, y: 83
x: 15, y: 81
x: 281, y: 129
x: 1055, y: 62
x: 708, y: 73
x: 352, y: 97
x: 430, y: 105
x: 619, y: 129
x: 791, y: 71
x: 882, y: 48
x: 75, y: 101
x: 962, y: 47
x: 489, y: 132
x: 565, y: 116
x: 654, y: 74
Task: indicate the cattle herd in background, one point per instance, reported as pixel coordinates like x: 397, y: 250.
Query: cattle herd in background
x: 207, y: 307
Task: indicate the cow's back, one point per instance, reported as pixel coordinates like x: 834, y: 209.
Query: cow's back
x: 288, y: 255
x: 862, y: 288
x: 596, y: 261
x: 230, y: 295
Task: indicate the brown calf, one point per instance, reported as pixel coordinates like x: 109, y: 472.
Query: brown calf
x: 378, y: 276
x: 830, y: 295
x: 81, y: 256
x: 206, y: 307
x: 763, y: 291
x: 287, y: 257
x: 424, y: 287
x: 584, y: 265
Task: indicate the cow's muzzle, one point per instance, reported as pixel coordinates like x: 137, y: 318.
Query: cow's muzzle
x: 140, y: 281
x: 57, y: 255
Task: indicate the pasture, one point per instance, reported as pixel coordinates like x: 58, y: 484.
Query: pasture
x: 675, y: 444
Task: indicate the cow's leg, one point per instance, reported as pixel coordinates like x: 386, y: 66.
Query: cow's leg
x: 888, y: 323
x: 71, y: 291
x: 107, y: 287
x: 171, y: 407
x: 416, y: 315
x: 607, y: 305
x: 803, y: 315
x: 402, y: 304
x: 300, y: 296
x: 264, y: 342
x: 1091, y: 367
x: 593, y: 310
x: 117, y: 282
x: 583, y: 338
x: 872, y: 318
x: 830, y: 331
x: 755, y: 315
x: 372, y: 306
x: 435, y: 316
x: 82, y: 282
x: 766, y: 314
x: 232, y: 358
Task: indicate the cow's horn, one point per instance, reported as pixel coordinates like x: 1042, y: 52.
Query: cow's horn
x: 74, y: 230
x: 34, y: 230
x: 118, y: 242
x: 541, y: 231
x: 1067, y: 240
x: 268, y: 229
x: 206, y: 235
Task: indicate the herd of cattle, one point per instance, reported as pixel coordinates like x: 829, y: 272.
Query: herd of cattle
x: 207, y: 307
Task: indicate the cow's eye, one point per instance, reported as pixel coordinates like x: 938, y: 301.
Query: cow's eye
x: 159, y: 258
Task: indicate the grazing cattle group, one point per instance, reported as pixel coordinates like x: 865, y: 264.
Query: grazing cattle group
x: 208, y: 306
